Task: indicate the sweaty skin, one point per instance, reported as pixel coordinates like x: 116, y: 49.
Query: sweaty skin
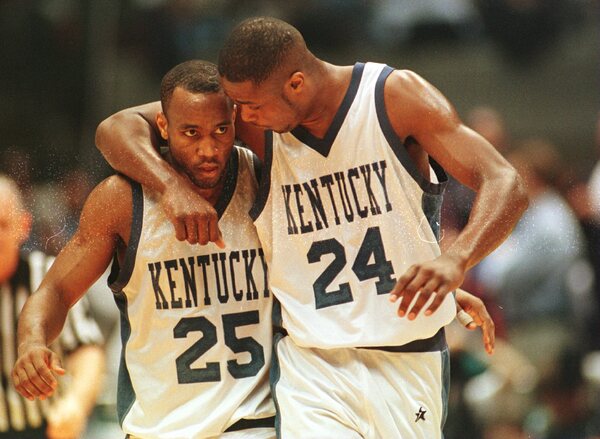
x: 200, y: 132
x: 310, y: 97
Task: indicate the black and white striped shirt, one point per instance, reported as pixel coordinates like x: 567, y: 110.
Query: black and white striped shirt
x: 16, y: 412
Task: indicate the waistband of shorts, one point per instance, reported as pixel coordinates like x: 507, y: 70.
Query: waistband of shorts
x: 245, y: 424
x: 242, y: 424
x: 431, y: 344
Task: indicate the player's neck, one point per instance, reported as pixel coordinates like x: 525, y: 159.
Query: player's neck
x: 331, y: 87
x: 212, y: 195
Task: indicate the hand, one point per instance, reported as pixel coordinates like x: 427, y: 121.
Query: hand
x: 66, y: 419
x: 34, y: 372
x: 472, y: 313
x: 439, y: 276
x: 195, y: 219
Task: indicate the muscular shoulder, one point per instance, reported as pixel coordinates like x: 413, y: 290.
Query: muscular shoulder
x: 414, y: 105
x: 108, y: 208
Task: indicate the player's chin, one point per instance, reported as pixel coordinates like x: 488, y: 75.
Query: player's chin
x: 206, y: 183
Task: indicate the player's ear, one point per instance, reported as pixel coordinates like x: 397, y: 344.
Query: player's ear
x: 296, y: 82
x: 161, y: 122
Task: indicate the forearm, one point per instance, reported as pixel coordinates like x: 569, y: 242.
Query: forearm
x: 41, y: 319
x: 130, y: 144
x: 499, y: 204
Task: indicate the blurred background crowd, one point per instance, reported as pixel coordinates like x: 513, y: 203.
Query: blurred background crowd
x: 523, y: 73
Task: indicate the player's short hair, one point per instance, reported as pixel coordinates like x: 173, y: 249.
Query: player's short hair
x: 256, y: 48
x: 195, y: 76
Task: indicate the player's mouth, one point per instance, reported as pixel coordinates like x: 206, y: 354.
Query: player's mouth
x: 207, y: 168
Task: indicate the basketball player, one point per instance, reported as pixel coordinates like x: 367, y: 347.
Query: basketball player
x: 196, y: 321
x: 65, y: 415
x: 347, y: 213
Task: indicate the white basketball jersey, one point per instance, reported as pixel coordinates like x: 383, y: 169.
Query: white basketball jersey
x: 342, y: 218
x: 195, y: 320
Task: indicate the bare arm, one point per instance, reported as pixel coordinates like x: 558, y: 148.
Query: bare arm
x: 105, y: 219
x: 426, y: 116
x: 129, y: 141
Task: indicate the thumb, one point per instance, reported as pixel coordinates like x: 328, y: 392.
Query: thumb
x: 220, y: 242
x: 56, y: 365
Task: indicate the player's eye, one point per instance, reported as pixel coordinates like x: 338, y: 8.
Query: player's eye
x: 222, y: 129
x: 190, y: 133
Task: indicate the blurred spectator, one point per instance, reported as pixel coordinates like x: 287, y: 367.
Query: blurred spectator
x: 585, y: 277
x: 525, y: 29
x: 595, y: 177
x: 397, y: 21
x: 568, y: 402
x: 65, y: 415
x: 528, y: 272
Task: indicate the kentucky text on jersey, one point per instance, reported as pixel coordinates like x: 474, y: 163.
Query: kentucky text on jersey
x: 213, y: 273
x: 344, y: 193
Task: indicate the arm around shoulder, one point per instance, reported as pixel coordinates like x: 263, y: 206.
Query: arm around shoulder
x: 129, y: 141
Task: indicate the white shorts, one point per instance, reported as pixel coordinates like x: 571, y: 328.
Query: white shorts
x: 249, y: 433
x: 360, y: 392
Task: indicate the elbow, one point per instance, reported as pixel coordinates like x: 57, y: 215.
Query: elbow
x: 102, y: 134
x: 520, y: 197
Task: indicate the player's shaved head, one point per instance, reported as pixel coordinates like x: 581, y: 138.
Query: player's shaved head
x: 259, y: 47
x: 195, y: 76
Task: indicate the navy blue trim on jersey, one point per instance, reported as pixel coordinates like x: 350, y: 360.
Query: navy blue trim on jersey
x: 248, y: 424
x: 119, y: 276
x: 445, y: 385
x: 323, y: 146
x: 125, y: 392
x: 431, y: 344
x: 257, y: 166
x: 431, y: 204
x: 274, y: 376
x: 264, y: 184
x: 398, y: 146
x: 229, y: 183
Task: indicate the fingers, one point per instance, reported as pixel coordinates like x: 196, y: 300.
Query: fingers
x: 56, y: 365
x: 489, y: 335
x: 465, y: 319
x: 33, y: 377
x: 215, y: 234
x: 193, y: 231
x: 199, y: 229
x: 180, y: 230
x: 420, y: 283
x: 477, y: 311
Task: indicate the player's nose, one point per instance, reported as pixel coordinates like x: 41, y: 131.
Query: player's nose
x: 207, y: 147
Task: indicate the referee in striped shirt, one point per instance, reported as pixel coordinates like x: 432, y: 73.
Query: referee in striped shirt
x: 64, y: 415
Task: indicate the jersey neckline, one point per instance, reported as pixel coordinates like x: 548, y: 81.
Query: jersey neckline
x: 323, y: 146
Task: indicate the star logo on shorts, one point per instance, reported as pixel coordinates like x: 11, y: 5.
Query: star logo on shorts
x: 420, y: 415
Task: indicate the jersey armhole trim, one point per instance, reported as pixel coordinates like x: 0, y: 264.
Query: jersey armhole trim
x: 119, y: 276
x: 230, y: 182
x: 264, y: 183
x: 397, y: 144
